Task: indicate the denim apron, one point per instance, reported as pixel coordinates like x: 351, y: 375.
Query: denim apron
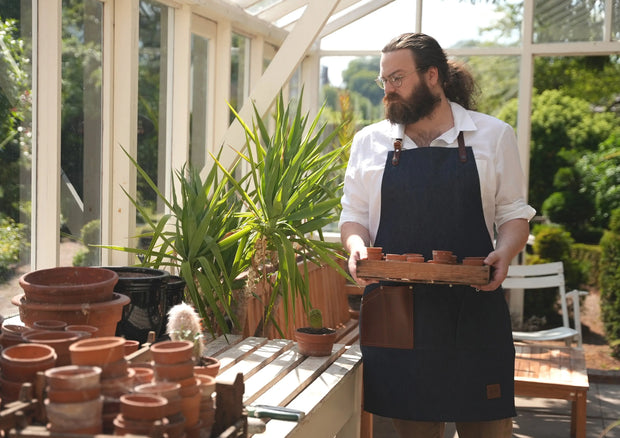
x: 461, y: 367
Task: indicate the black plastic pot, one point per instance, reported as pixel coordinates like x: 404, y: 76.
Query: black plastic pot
x: 146, y: 288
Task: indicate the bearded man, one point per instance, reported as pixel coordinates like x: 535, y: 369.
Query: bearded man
x: 435, y: 175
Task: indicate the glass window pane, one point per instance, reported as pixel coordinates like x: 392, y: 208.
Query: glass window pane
x: 15, y: 147
x: 80, y: 183
x: 239, y: 71
x: 199, y: 100
x: 152, y: 102
x: 555, y: 22
x: 615, y: 20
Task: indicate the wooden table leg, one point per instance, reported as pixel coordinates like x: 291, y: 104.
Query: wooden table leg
x: 579, y: 416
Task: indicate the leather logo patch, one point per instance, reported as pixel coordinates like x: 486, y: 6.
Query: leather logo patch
x: 494, y: 391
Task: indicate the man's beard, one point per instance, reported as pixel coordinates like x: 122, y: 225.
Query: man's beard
x: 418, y: 105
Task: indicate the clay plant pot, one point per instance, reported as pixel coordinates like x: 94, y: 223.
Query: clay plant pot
x: 171, y: 352
x: 58, y: 340
x: 68, y: 417
x: 91, y: 329
x: 396, y: 257
x: 206, y: 385
x: 97, y: 351
x: 73, y: 377
x: 69, y: 285
x: 21, y: 362
x: 474, y: 261
x: 73, y: 395
x: 174, y: 372
x: 315, y: 343
x: 143, y: 375
x: 169, y: 390
x: 12, y: 334
x: 49, y: 324
x: 131, y: 346
x: 113, y: 370
x: 209, y: 366
x: 374, y: 253
x: 143, y: 406
x: 104, y: 315
x: 146, y: 288
x: 126, y: 426
x: 190, y: 407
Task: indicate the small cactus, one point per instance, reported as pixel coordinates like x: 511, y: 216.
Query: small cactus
x: 184, y: 324
x: 315, y: 319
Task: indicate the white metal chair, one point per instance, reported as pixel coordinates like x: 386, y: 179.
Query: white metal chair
x: 543, y: 276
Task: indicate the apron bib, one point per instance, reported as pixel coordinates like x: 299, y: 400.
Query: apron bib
x: 461, y: 366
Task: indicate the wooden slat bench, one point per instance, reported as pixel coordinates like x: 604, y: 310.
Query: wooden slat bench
x: 554, y: 372
x: 327, y: 389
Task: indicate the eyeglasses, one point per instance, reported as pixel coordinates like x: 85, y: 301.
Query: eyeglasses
x: 396, y: 80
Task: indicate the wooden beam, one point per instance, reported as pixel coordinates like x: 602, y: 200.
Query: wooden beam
x: 280, y: 69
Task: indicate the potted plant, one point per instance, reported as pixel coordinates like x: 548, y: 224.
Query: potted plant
x: 290, y: 193
x: 193, y: 240
x: 315, y: 340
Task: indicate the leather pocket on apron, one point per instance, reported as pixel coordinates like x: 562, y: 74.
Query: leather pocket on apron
x: 387, y: 318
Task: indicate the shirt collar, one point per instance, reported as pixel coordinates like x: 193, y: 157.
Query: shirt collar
x: 462, y: 122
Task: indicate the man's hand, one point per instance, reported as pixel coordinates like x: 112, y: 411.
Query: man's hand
x: 511, y: 238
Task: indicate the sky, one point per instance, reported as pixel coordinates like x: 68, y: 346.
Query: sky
x: 375, y: 30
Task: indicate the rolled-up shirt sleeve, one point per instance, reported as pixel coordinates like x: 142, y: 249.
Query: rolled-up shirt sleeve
x: 510, y: 184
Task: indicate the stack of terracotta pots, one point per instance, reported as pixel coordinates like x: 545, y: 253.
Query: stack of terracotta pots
x: 20, y: 364
x: 58, y: 340
x: 175, y: 428
x: 117, y: 378
x: 141, y: 414
x: 74, y: 402
x: 207, y: 402
x: 75, y: 295
x: 172, y: 362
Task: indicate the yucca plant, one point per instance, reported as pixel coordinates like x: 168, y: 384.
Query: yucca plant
x: 195, y: 240
x: 290, y: 193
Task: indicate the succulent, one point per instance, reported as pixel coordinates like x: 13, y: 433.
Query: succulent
x: 315, y: 318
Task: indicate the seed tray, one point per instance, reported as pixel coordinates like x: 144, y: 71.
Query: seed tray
x: 409, y: 272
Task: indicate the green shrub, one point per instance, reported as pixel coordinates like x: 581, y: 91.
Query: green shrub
x: 609, y: 281
x: 552, y: 244
x: 89, y: 235
x: 12, y: 242
x: 589, y: 256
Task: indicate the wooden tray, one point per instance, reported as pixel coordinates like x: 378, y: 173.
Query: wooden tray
x: 423, y: 272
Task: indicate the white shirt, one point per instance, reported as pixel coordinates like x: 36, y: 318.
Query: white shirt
x: 495, y: 149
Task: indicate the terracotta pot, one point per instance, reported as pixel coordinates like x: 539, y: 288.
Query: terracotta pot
x: 126, y: 426
x: 189, y: 387
x: 58, y: 340
x: 374, y: 253
x: 209, y: 366
x: 396, y: 257
x: 171, y: 352
x: 73, y: 395
x: 174, y: 371
x: 112, y: 370
x: 9, y: 390
x: 21, y: 362
x: 169, y: 390
x: 143, y: 406
x: 117, y: 386
x: 146, y: 288
x: 67, y: 417
x: 97, y: 351
x: 190, y: 407
x: 195, y: 430
x: 91, y: 329
x: 49, y: 324
x: 104, y: 315
x: 310, y: 344
x: 143, y: 375
x: 12, y: 334
x: 444, y: 257
x: 69, y: 285
x: 73, y: 377
x: 206, y: 384
x: 131, y: 346
x: 176, y: 426
x: 415, y: 259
